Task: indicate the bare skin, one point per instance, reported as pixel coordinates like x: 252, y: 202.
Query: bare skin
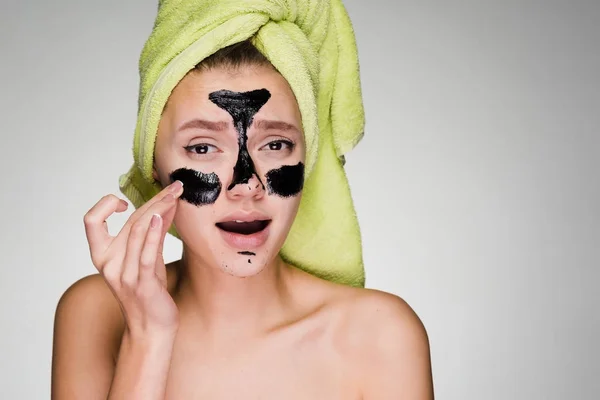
x: 212, y: 325
x: 343, y: 343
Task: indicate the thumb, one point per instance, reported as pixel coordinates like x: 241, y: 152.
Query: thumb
x: 168, y: 218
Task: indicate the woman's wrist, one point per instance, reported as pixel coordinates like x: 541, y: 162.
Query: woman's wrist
x: 158, y: 344
x: 150, y: 339
x: 143, y: 365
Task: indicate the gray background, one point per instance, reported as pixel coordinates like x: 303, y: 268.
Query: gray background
x: 476, y: 184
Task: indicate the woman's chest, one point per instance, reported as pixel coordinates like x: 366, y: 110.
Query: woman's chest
x: 275, y: 371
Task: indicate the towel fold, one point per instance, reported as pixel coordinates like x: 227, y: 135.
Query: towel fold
x: 311, y: 43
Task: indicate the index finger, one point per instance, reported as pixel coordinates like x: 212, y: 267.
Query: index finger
x: 174, y: 189
x: 94, y: 221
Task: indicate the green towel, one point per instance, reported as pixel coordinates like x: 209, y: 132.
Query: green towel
x: 311, y: 43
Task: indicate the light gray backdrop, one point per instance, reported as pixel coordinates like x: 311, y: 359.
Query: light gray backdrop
x: 476, y: 184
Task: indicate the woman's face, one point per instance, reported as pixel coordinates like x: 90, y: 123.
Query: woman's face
x: 234, y: 138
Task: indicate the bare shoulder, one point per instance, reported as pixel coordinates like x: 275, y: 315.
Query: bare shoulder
x: 372, y: 318
x: 363, y: 314
x: 89, y: 291
x: 88, y: 308
x: 88, y: 327
x: 383, y: 315
x: 386, y: 342
x: 366, y: 318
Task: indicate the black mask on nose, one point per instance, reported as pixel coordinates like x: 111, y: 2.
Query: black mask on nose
x: 242, y: 106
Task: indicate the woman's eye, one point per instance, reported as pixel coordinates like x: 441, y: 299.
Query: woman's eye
x: 202, y: 148
x: 279, y: 145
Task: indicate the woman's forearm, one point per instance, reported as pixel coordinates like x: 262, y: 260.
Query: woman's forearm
x: 142, y: 368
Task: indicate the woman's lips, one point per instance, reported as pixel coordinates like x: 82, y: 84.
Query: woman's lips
x: 244, y: 242
x: 243, y: 227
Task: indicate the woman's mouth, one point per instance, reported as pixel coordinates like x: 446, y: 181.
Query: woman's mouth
x: 243, y: 227
x: 244, y: 234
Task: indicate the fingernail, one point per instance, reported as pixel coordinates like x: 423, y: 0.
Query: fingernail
x: 168, y: 198
x: 175, y: 186
x: 154, y: 220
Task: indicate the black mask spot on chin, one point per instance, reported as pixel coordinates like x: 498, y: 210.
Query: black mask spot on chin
x: 242, y: 106
x: 286, y: 181
x: 198, y: 188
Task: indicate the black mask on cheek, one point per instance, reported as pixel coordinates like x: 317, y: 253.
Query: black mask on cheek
x: 286, y: 181
x: 198, y: 188
x: 242, y: 106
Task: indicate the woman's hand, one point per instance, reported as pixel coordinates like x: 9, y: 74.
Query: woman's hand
x: 132, y: 263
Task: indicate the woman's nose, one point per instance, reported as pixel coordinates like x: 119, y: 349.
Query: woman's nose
x: 253, y: 188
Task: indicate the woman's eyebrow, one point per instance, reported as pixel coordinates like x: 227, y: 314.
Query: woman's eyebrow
x: 266, y: 125
x: 203, y: 124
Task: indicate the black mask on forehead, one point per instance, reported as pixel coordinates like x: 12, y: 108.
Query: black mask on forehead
x: 242, y: 106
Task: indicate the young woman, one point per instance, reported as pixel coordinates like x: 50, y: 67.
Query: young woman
x: 231, y: 319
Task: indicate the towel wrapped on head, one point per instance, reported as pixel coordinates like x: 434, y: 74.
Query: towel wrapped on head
x: 311, y: 43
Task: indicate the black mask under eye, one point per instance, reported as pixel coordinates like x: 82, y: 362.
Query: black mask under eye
x: 198, y: 188
x: 286, y: 181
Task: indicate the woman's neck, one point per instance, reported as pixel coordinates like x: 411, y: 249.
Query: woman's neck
x: 215, y: 302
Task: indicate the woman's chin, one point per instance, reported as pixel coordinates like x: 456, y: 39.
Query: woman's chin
x: 244, y: 266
